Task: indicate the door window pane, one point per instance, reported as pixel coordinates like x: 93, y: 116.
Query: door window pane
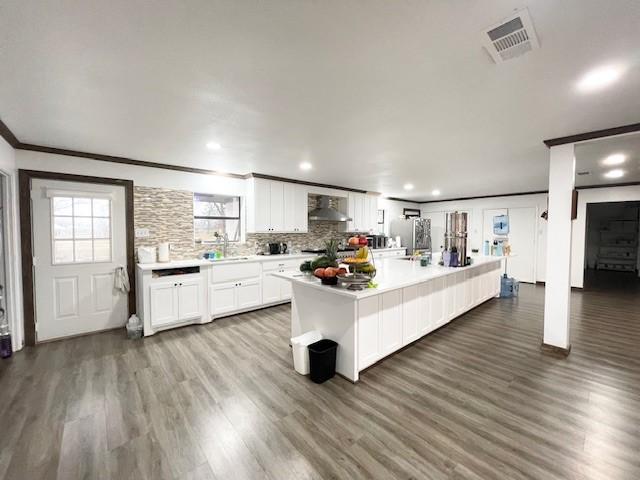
x: 62, y: 206
x: 83, y: 250
x: 63, y: 251
x: 101, y: 228
x: 101, y: 250
x: 62, y: 228
x: 81, y: 207
x: 101, y: 207
x: 81, y: 229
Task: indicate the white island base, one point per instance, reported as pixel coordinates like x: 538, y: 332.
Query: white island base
x: 410, y: 302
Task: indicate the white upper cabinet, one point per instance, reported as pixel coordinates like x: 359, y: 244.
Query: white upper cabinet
x: 275, y: 206
x: 296, y: 207
x: 363, y: 210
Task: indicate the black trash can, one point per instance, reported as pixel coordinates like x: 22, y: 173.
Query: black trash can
x: 322, y: 360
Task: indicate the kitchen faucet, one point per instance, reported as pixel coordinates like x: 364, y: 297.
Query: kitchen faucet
x: 224, y: 238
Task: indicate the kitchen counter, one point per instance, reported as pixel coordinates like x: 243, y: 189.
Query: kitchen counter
x: 392, y: 273
x: 410, y: 301
x: 173, y: 264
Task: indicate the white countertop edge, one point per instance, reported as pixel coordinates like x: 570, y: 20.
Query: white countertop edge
x: 313, y: 282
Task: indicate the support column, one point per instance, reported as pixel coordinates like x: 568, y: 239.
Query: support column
x: 558, y: 282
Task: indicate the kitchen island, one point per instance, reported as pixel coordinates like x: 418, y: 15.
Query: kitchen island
x: 409, y: 302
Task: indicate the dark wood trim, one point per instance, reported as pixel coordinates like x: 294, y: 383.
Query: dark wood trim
x: 302, y: 182
x: 553, y: 350
x: 396, y: 199
x: 8, y: 135
x: 535, y: 192
x: 26, y: 238
x: 122, y: 160
x: 581, y: 137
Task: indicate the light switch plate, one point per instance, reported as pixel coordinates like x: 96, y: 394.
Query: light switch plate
x: 142, y: 232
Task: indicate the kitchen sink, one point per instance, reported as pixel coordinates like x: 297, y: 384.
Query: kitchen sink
x: 229, y: 259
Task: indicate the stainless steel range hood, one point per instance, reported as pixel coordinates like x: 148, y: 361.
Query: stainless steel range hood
x: 325, y: 212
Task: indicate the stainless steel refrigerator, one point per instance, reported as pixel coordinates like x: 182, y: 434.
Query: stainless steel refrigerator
x: 414, y: 233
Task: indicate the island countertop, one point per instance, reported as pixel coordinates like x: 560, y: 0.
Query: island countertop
x: 392, y: 273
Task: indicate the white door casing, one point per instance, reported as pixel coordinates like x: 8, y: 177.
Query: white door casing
x: 79, y: 238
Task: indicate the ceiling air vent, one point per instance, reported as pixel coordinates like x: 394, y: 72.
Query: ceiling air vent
x: 512, y: 37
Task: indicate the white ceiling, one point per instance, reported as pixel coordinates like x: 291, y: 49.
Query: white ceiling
x: 374, y: 93
x: 590, y: 157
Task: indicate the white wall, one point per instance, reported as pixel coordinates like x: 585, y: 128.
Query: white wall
x: 476, y: 209
x: 393, y: 209
x: 593, y: 195
x: 13, y: 272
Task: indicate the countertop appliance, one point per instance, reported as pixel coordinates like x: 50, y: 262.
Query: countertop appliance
x: 276, y: 248
x: 377, y: 241
x: 455, y: 235
x: 414, y: 233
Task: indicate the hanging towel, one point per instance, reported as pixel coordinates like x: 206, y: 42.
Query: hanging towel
x: 121, y: 280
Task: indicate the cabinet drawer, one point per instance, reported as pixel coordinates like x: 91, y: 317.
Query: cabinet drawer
x: 237, y: 271
x: 291, y: 264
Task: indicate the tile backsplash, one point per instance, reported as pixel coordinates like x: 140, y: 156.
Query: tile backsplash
x: 168, y: 215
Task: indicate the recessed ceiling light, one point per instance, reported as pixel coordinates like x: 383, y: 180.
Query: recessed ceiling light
x: 408, y: 186
x: 306, y: 166
x: 616, y: 173
x: 615, y: 159
x: 435, y: 193
x: 599, y: 78
x: 214, y: 146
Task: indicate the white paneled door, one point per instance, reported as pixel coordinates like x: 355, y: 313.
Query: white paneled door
x: 79, y: 239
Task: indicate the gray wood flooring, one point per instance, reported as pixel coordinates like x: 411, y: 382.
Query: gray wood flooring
x: 474, y: 400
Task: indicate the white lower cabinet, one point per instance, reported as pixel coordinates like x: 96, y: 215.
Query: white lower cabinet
x: 410, y: 314
x: 425, y: 321
x: 391, y: 321
x: 176, y: 301
x: 230, y: 297
x: 437, y: 299
x: 368, y: 331
x: 222, y: 298
x: 249, y: 293
x: 164, y: 303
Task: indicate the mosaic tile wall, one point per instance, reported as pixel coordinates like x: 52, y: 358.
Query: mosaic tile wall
x: 168, y: 215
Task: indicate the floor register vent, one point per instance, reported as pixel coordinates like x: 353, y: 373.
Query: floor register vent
x: 512, y: 37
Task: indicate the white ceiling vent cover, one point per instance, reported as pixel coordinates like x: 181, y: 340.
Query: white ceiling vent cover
x: 510, y: 38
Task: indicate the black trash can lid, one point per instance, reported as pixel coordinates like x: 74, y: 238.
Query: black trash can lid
x: 322, y: 346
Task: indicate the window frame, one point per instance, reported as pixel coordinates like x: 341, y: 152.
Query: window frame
x: 73, y: 216
x: 217, y: 217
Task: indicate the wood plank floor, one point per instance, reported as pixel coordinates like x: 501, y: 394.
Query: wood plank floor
x: 474, y: 400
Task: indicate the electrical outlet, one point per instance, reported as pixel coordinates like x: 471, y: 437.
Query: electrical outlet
x: 142, y: 232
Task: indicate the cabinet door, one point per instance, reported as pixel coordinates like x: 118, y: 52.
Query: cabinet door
x: 301, y: 209
x: 189, y: 299
x: 460, y: 294
x: 270, y: 288
x: 358, y: 218
x: 369, y: 342
x: 391, y: 330
x: 223, y: 298
x: 438, y: 298
x: 424, y: 309
x: 164, y: 303
x: 285, y: 289
x: 410, y: 314
x: 262, y: 205
x: 468, y: 289
x: 371, y: 213
x: 450, y: 297
x: 248, y: 294
x: 289, y: 207
x: 351, y: 204
x: 277, y: 206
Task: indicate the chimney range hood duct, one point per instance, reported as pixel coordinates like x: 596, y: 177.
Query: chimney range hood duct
x: 325, y: 212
